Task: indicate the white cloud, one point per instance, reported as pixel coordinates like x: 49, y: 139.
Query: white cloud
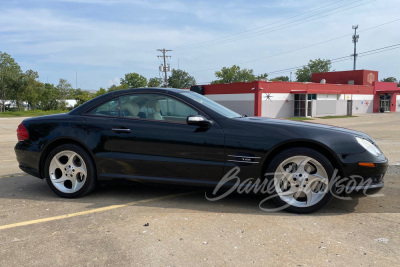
x: 115, y: 81
x: 56, y: 42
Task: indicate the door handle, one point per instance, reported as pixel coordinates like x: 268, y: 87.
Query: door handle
x: 121, y: 130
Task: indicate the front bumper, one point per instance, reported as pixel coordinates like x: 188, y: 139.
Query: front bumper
x: 361, y: 179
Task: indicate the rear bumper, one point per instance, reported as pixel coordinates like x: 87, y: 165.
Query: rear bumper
x: 28, y: 159
x: 31, y: 171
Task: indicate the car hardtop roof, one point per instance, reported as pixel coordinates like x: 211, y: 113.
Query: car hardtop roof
x: 95, y: 101
x: 144, y: 89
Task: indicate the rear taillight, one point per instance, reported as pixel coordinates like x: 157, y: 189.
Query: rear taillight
x: 22, y: 133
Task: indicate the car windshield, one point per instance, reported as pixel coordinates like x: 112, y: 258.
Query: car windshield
x: 212, y: 105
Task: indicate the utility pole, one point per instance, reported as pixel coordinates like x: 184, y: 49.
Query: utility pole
x: 164, y: 68
x: 355, y: 40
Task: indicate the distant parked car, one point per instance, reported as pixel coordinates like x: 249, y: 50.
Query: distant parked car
x: 176, y: 136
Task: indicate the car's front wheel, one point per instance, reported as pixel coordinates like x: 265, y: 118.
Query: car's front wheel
x: 300, y: 180
x: 70, y: 171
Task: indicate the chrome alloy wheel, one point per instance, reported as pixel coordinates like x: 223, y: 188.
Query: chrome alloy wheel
x: 301, y: 181
x: 67, y: 171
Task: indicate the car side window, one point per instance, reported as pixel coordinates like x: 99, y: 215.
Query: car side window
x: 155, y: 107
x: 129, y: 106
x: 109, y: 108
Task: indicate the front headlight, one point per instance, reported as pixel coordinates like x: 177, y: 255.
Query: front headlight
x: 371, y: 148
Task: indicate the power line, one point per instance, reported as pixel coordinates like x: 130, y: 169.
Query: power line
x: 339, y: 59
x: 391, y: 46
x: 288, y: 25
x: 239, y: 33
x: 230, y: 39
x: 304, y: 47
x: 344, y: 58
x: 271, y: 29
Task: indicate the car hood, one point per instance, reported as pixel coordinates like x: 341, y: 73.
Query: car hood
x: 271, y: 121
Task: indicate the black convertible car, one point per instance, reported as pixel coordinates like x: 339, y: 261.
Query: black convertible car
x: 178, y: 136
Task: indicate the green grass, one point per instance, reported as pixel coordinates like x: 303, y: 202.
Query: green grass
x: 336, y: 117
x: 299, y: 119
x: 29, y: 113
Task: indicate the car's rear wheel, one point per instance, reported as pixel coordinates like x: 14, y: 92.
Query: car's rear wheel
x: 300, y: 180
x: 70, y: 171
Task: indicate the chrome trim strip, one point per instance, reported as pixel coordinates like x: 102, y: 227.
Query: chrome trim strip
x: 238, y: 161
x: 249, y: 157
x: 122, y: 130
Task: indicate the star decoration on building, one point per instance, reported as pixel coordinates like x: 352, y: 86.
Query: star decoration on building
x: 268, y: 96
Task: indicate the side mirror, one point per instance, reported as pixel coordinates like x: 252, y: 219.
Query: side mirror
x: 198, y: 120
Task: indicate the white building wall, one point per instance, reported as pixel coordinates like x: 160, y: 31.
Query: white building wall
x: 325, y: 108
x: 361, y: 104
x: 360, y: 107
x: 363, y: 97
x: 240, y: 103
x: 341, y: 97
x: 313, y: 108
x: 277, y: 96
x: 326, y: 97
x: 341, y: 107
x: 277, y: 105
x: 71, y: 103
x: 281, y: 105
x: 398, y: 103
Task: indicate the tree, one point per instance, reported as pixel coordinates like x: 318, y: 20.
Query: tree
x: 154, y: 82
x: 314, y: 66
x: 180, y: 79
x: 28, y: 89
x: 33, y: 89
x: 65, y: 89
x: 389, y: 80
x: 100, y: 92
x: 82, y: 96
x: 280, y: 79
x: 119, y: 87
x: 261, y: 76
x: 17, y: 92
x: 50, y: 96
x: 10, y: 75
x: 235, y: 74
x: 134, y: 80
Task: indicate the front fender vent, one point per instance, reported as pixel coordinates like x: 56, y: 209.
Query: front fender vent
x: 244, y: 159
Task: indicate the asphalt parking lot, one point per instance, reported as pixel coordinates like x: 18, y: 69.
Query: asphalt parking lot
x: 139, y: 225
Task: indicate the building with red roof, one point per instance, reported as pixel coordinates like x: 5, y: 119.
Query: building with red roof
x: 329, y: 93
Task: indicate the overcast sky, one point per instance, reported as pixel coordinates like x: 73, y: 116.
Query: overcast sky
x: 101, y: 40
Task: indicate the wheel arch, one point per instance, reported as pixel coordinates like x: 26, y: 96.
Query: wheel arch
x: 58, y: 142
x: 321, y: 148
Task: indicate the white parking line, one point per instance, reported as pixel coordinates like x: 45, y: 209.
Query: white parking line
x: 112, y: 207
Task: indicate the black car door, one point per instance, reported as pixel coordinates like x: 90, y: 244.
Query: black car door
x: 94, y: 133
x: 152, y: 141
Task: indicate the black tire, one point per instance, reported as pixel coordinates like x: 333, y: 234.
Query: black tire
x: 316, y: 161
x: 79, y: 167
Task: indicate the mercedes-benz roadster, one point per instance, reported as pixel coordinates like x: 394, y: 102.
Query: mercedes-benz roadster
x: 177, y: 136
